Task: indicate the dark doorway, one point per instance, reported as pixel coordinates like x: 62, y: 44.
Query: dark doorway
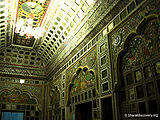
x: 106, y: 104
x: 84, y: 111
x: 63, y: 114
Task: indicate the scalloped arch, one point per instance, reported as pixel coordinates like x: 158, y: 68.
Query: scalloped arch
x: 71, y: 84
x: 139, y: 31
x: 16, y: 95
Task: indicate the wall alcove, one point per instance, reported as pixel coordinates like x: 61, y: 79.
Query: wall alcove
x: 19, y: 102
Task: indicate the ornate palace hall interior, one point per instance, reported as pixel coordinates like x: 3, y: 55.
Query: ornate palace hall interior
x: 79, y: 59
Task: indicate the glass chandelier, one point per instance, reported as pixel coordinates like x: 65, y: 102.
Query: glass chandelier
x: 25, y: 27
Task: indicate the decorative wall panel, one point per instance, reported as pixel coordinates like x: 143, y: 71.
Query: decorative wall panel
x: 55, y: 98
x: 140, y: 71
x: 143, y: 47
x: 16, y: 96
x: 135, y: 54
x: 34, y: 90
x: 24, y: 97
x: 89, y: 60
x: 104, y: 66
x: 119, y: 35
x: 82, y: 76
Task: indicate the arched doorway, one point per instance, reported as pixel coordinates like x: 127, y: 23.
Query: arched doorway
x: 81, y: 92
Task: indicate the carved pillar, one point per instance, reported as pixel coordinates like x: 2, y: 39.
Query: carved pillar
x: 67, y: 113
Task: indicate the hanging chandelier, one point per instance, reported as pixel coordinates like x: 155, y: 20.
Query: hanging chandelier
x: 24, y: 26
x: 28, y: 30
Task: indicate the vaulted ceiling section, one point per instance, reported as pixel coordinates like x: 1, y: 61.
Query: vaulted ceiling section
x: 41, y: 24
x: 34, y: 33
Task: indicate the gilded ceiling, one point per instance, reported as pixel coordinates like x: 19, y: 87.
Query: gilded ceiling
x: 42, y: 25
x: 49, y: 28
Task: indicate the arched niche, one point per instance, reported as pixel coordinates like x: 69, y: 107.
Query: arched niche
x: 138, y: 69
x: 17, y: 96
x: 83, y: 78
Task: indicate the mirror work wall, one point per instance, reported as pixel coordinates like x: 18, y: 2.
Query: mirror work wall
x: 26, y: 98
x: 136, y: 55
x: 115, y: 73
x: 82, y: 84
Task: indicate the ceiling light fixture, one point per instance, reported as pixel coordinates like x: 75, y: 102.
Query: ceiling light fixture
x: 25, y: 27
x: 41, y: 1
x: 28, y: 29
x: 21, y: 81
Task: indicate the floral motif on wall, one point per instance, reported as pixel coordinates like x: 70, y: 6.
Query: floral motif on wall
x: 83, y: 79
x: 143, y: 47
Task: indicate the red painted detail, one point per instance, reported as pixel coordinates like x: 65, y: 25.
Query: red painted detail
x: 19, y: 65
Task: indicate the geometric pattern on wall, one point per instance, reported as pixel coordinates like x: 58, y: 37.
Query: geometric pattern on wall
x: 21, y: 61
